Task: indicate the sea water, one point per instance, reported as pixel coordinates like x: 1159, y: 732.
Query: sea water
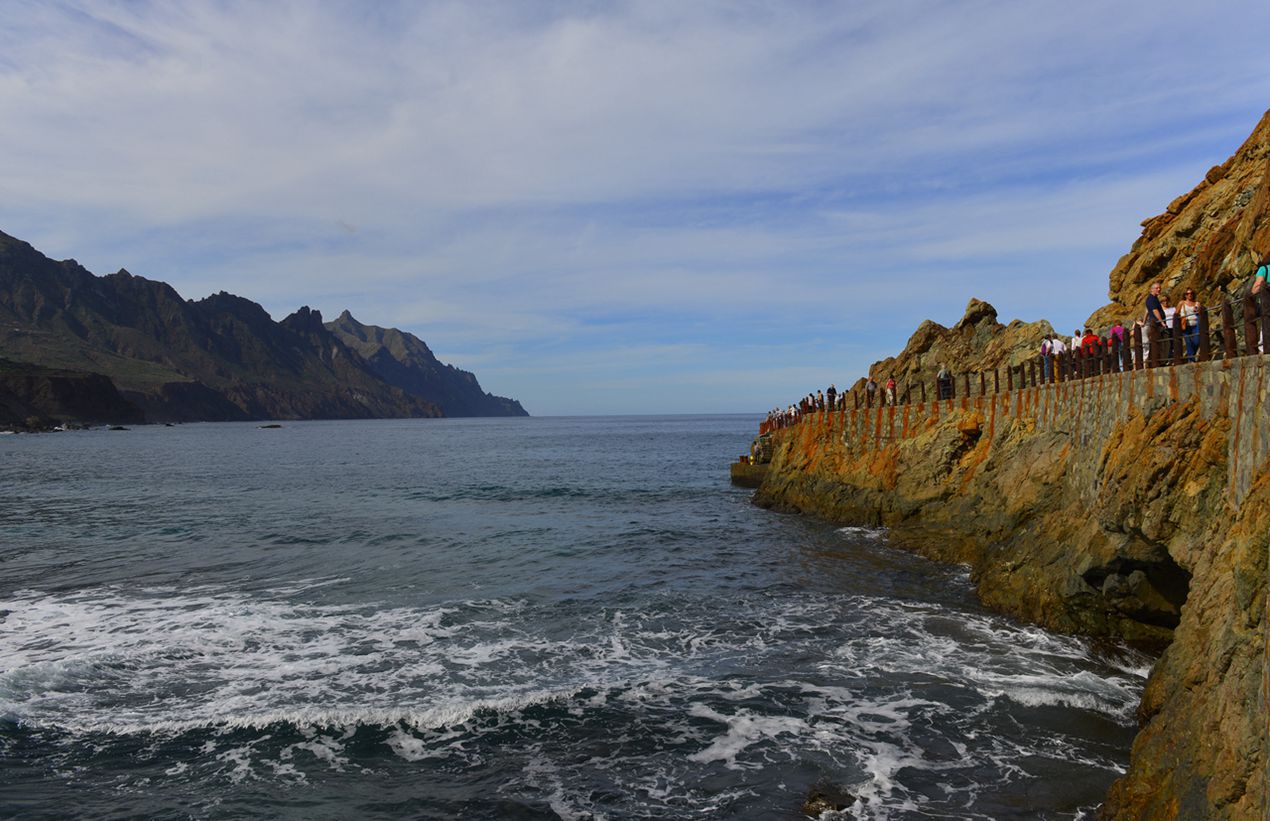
x: 573, y: 618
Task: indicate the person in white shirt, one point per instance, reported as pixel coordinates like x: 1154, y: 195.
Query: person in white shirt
x: 1170, y: 316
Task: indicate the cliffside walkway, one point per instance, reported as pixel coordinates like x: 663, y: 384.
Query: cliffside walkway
x: 1084, y: 394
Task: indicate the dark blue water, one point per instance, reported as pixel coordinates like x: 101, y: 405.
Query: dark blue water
x: 524, y: 618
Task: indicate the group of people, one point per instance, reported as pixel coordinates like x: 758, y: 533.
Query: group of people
x: 1169, y: 321
x: 829, y: 400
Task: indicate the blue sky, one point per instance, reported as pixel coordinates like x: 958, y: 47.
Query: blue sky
x: 644, y: 207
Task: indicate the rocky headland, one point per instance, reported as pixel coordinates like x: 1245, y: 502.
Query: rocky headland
x: 1129, y: 505
x: 222, y: 358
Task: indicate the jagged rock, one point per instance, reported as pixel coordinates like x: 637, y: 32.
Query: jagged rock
x: 978, y: 342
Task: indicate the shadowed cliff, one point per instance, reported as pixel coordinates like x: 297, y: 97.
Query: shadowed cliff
x: 221, y: 358
x: 404, y: 360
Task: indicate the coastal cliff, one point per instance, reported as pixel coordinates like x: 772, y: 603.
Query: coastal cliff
x: 1128, y: 505
x: 1132, y: 505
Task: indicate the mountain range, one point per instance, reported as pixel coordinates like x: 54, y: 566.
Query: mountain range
x: 221, y: 358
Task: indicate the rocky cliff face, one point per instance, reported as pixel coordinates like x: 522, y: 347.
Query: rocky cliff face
x: 35, y: 398
x: 1209, y: 239
x: 404, y: 360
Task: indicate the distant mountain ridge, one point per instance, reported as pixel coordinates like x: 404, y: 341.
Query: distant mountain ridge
x: 215, y: 359
x: 404, y: 360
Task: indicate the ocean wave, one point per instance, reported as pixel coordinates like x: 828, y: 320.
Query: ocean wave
x: 893, y: 696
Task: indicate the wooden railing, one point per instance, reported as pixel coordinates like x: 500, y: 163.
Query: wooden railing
x: 1227, y: 338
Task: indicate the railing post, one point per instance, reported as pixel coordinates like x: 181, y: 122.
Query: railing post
x: 1113, y: 355
x: 1228, y: 330
x: 1153, y: 344
x: 966, y: 383
x: 983, y: 384
x: 1057, y: 370
x: 1136, y: 344
x: 996, y: 380
x: 923, y: 384
x: 1205, y: 342
x: 1250, y: 324
x: 1009, y: 378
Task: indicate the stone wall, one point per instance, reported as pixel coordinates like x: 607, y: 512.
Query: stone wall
x: 1089, y: 409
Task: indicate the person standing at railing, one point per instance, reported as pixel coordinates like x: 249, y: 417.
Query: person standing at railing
x: 1170, y: 317
x: 1077, y: 337
x: 831, y: 396
x: 890, y: 390
x: 1117, y: 332
x: 1155, y: 311
x: 1188, y: 318
x: 1141, y: 330
x: 1259, y: 283
x: 1046, y: 353
x: 1089, y: 342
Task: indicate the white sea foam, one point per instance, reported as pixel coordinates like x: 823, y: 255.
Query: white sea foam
x: 744, y: 729
x: 870, y: 533
x: 901, y: 689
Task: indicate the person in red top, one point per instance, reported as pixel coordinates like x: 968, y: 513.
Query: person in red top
x: 1089, y: 342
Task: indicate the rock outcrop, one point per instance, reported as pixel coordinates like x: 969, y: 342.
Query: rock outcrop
x: 1209, y: 239
x: 36, y: 398
x: 978, y: 342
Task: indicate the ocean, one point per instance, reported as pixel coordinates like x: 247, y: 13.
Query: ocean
x: 574, y: 618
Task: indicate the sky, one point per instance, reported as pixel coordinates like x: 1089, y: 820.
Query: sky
x: 623, y: 207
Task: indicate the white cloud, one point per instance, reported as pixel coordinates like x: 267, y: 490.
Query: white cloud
x: 556, y: 177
